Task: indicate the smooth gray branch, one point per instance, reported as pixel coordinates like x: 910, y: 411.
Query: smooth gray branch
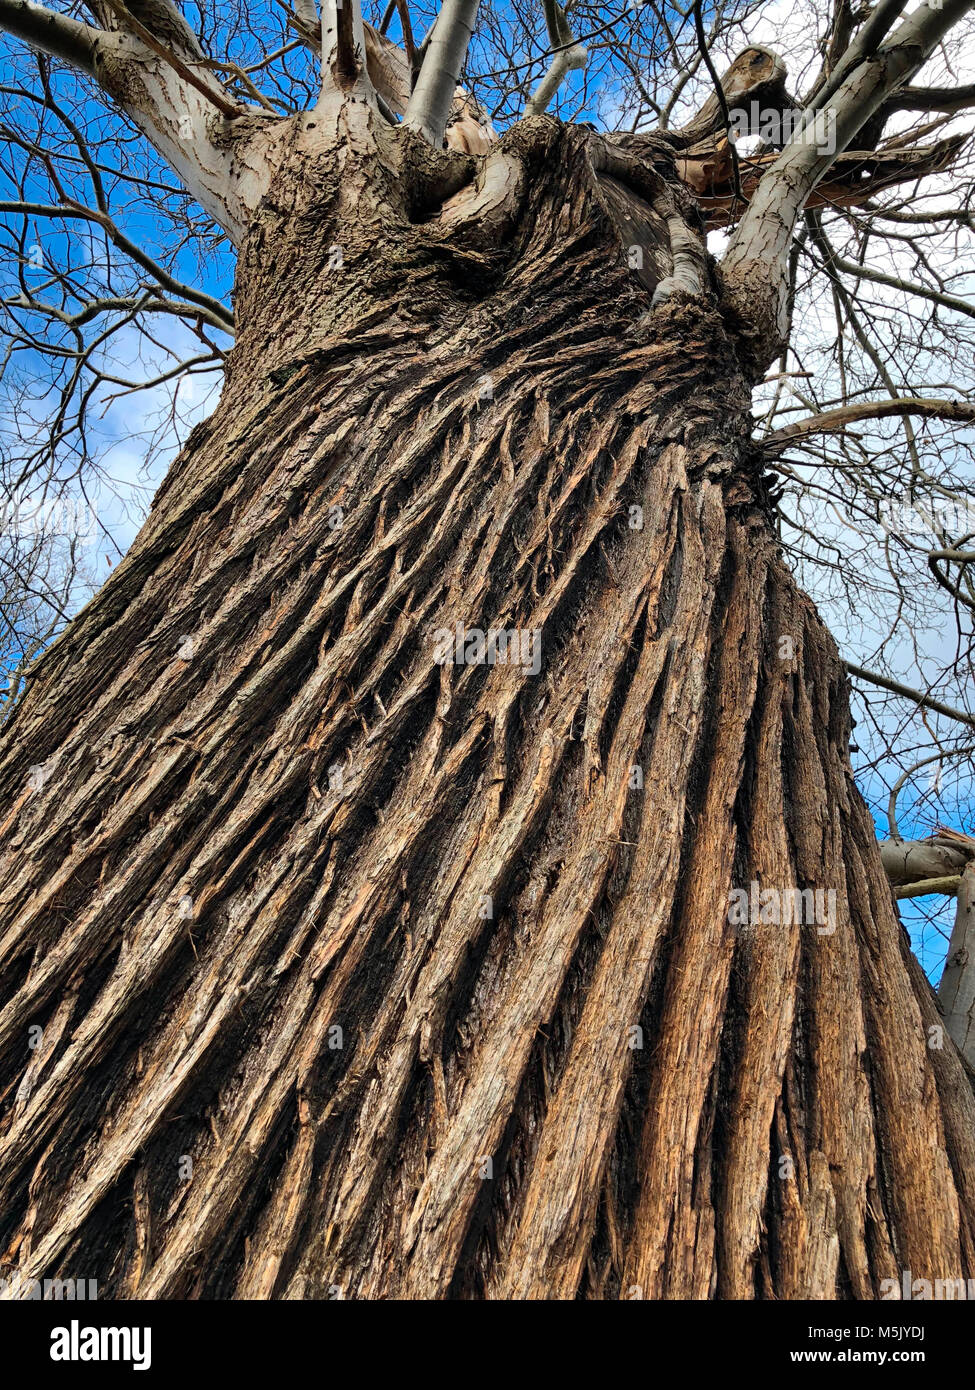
x: 429, y: 106
x: 568, y: 55
x: 50, y: 32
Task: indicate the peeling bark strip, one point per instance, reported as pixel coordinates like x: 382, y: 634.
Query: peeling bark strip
x: 358, y: 971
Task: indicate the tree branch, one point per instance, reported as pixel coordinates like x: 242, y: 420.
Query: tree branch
x: 211, y: 90
x: 722, y: 102
x: 947, y: 99
x: 927, y: 887
x: 567, y: 56
x: 343, y: 49
x: 919, y: 861
x: 756, y: 263
x: 879, y: 277
x: 171, y: 101
x: 756, y: 79
x: 217, y: 313
x: 52, y: 33
x: 878, y: 25
x: 409, y: 44
x: 833, y: 421
x: 919, y: 698
x: 853, y: 177
x: 429, y: 106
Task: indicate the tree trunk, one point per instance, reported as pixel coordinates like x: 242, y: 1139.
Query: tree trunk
x: 332, y: 968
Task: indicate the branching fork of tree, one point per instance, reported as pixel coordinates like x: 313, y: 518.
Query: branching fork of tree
x: 326, y: 965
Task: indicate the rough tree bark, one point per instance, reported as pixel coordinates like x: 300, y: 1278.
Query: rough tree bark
x: 957, y: 988
x: 360, y: 973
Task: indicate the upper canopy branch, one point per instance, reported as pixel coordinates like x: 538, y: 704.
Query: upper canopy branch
x: 878, y: 24
x: 212, y: 90
x: 344, y: 50
x: 567, y: 56
x: 432, y: 97
x: 213, y: 311
x: 756, y: 263
x: 947, y: 99
x: 50, y: 32
x: 835, y: 421
x: 147, y: 59
x: 918, y: 696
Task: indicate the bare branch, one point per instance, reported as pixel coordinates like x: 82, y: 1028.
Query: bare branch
x: 853, y: 178
x: 756, y: 264
x: 208, y: 90
x: 832, y: 421
x: 215, y: 313
x: 919, y: 861
x: 880, y: 277
x: 948, y: 99
x: 433, y: 95
x: 172, y: 103
x: 50, y: 32
x: 568, y: 56
x: 918, y: 696
x: 722, y: 102
x: 878, y: 25
x: 344, y: 50
x: 928, y: 887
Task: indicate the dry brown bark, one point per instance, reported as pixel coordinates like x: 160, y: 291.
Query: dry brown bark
x: 216, y: 852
